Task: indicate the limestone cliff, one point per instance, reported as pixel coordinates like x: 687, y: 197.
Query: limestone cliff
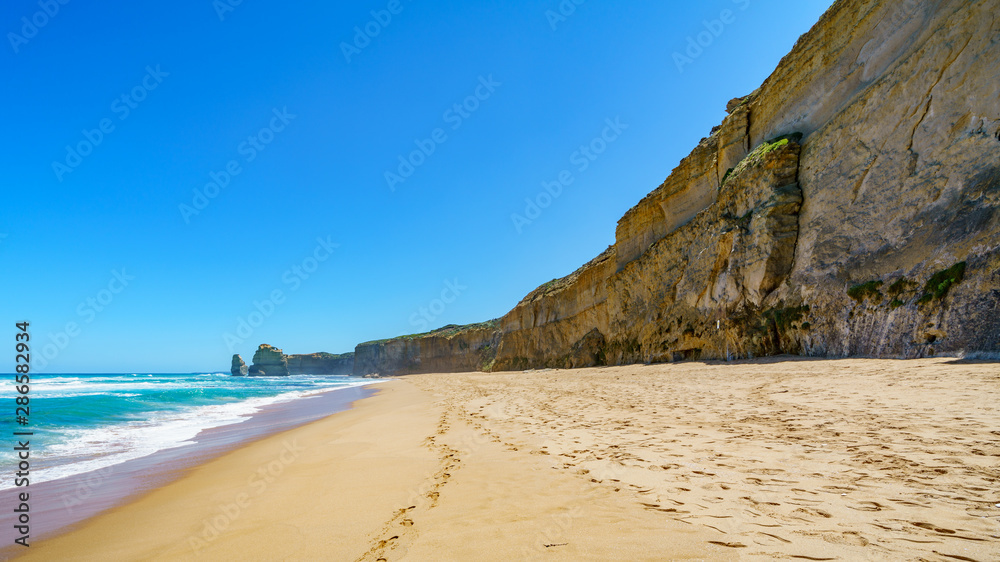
x: 448, y: 349
x: 848, y: 206
x: 269, y: 361
x: 871, y: 230
x: 321, y: 364
x: 543, y: 328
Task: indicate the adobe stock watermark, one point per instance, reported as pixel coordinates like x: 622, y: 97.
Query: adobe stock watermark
x: 86, y: 487
x: 292, y: 278
x: 455, y: 116
x: 901, y: 12
x: 257, y: 484
x: 552, y: 535
x: 249, y: 150
x: 436, y: 307
x: 30, y: 26
x: 225, y: 7
x: 563, y: 11
x: 581, y: 160
x: 365, y: 34
x: 122, y: 107
x: 88, y: 309
x: 697, y: 44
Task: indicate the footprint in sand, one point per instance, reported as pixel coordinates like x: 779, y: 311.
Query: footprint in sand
x: 729, y: 544
x: 868, y: 506
x: 846, y: 538
x: 812, y: 512
x: 771, y: 538
x: 934, y: 528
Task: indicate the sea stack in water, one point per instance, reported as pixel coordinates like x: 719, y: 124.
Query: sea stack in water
x: 268, y: 361
x: 239, y: 368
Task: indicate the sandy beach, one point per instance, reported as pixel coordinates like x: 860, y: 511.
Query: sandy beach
x: 60, y: 504
x: 782, y: 458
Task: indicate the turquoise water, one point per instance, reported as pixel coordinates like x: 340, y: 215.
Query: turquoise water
x: 87, y: 422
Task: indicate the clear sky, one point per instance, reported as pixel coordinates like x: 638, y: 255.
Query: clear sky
x: 186, y: 180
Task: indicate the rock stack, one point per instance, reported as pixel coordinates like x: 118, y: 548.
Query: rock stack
x: 268, y: 361
x: 239, y: 368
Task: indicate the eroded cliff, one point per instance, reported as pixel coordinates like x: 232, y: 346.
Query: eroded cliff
x: 890, y: 182
x: 448, y: 349
x: 848, y: 206
x: 271, y: 361
x: 321, y: 364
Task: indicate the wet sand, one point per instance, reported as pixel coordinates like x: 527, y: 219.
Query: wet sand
x: 775, y: 459
x: 58, y: 506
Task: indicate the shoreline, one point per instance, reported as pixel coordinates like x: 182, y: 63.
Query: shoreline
x: 350, y: 486
x: 62, y: 505
x: 810, y: 459
x: 91, y: 538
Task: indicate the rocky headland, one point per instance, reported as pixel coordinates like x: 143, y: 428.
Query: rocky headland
x: 272, y: 362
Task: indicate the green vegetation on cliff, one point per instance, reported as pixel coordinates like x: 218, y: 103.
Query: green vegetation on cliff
x: 901, y: 286
x: 938, y: 285
x: 443, y: 332
x: 866, y: 290
x: 757, y: 155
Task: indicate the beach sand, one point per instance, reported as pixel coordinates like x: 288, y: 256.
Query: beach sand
x: 780, y: 458
x: 63, y: 503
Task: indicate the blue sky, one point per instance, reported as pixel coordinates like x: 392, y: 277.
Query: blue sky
x: 185, y: 180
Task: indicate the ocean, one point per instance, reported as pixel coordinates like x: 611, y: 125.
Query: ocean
x: 85, y: 422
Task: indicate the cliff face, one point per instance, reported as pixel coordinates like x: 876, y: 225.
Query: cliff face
x: 896, y: 182
x: 715, y: 273
x: 846, y: 207
x: 544, y: 327
x: 449, y: 349
x: 901, y: 182
x: 320, y: 364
